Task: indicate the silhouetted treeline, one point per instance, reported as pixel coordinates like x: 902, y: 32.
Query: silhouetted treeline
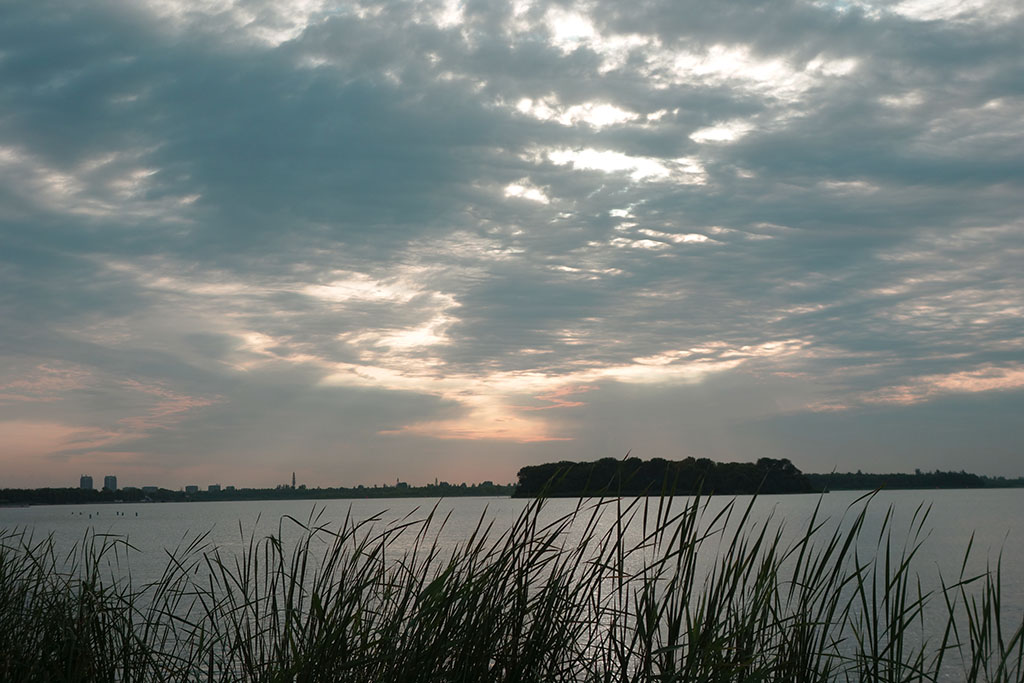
x: 861, y: 481
x: 54, y: 496
x: 59, y: 496
x: 636, y: 477
x: 1003, y: 482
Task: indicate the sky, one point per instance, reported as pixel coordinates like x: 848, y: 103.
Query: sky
x: 364, y: 241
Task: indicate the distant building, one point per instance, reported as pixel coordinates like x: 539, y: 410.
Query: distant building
x: 213, y: 488
x: 150, y: 489
x: 85, y: 482
x: 191, y: 488
x: 229, y: 488
x: 110, y: 483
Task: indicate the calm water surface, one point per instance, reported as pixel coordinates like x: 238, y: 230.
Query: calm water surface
x: 994, y: 518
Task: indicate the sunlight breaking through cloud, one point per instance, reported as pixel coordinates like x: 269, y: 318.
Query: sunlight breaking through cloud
x: 595, y: 114
x: 683, y: 170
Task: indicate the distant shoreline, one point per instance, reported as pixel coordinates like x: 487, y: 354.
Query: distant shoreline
x: 73, y: 496
x: 818, y: 483
x: 900, y: 481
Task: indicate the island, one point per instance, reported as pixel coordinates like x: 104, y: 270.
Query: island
x: 636, y: 477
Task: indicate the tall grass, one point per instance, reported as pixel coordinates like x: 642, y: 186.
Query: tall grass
x: 641, y: 590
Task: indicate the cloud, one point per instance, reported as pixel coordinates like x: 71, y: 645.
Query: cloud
x: 983, y: 379
x: 235, y: 232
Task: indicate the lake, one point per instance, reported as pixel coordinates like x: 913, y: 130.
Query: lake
x: 940, y: 524
x: 993, y: 517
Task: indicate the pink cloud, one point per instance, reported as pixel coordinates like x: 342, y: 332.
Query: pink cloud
x: 557, y: 397
x: 44, y: 383
x: 168, y: 408
x: 984, y: 378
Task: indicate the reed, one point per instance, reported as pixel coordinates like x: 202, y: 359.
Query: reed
x: 619, y: 590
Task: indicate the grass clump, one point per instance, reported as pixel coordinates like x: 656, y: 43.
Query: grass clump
x: 618, y: 590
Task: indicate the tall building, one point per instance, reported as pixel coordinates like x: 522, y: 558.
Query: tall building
x: 85, y: 482
x: 110, y: 483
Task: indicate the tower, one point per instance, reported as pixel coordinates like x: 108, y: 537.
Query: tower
x: 85, y: 482
x: 110, y: 483
x: 293, y: 480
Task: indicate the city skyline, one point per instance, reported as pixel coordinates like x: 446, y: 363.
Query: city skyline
x: 446, y: 239
x: 86, y: 482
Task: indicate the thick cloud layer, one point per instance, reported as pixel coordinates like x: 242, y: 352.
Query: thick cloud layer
x: 448, y: 239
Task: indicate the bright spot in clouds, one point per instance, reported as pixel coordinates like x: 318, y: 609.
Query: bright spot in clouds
x: 597, y: 115
x: 686, y: 238
x: 685, y: 170
x: 525, y: 190
x: 722, y: 132
x: 362, y: 287
x: 570, y: 29
x: 940, y: 10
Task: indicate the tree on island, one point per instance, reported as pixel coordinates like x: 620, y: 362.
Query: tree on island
x: 636, y: 477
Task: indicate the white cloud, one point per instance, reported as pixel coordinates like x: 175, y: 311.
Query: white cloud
x: 683, y: 170
x: 270, y: 24
x: 352, y: 286
x: 728, y: 131
x: 737, y: 66
x: 684, y: 238
x: 524, y: 189
x: 947, y: 10
x: 595, y: 114
x: 652, y: 245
